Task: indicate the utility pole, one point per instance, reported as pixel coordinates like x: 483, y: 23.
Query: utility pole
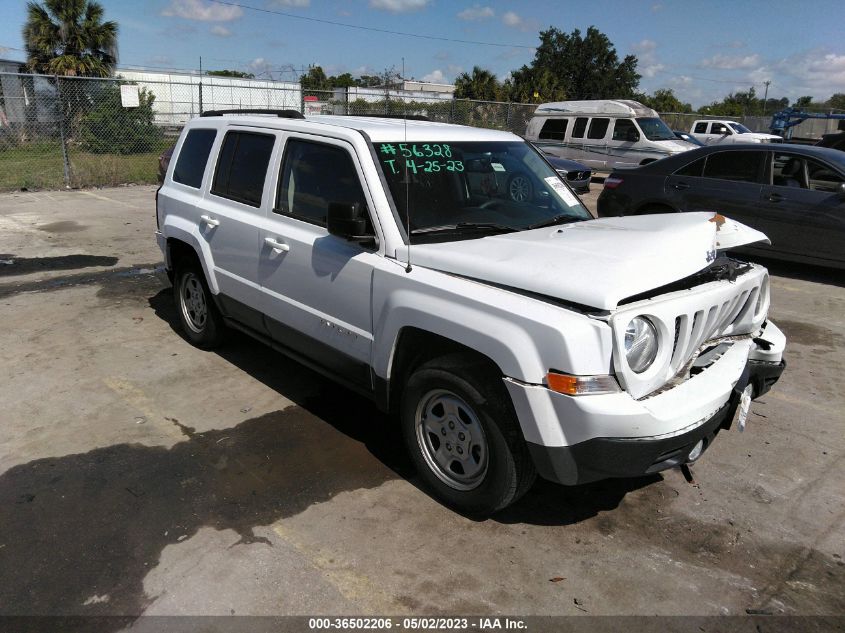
x: 200, y: 85
x: 765, y: 95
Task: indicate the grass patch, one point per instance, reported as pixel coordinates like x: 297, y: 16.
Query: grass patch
x: 40, y: 166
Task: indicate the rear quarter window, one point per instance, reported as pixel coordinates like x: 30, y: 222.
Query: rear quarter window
x: 193, y: 157
x: 579, y: 127
x: 554, y: 129
x: 598, y: 128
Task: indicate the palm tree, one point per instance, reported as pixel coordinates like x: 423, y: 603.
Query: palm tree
x: 481, y: 85
x: 69, y: 37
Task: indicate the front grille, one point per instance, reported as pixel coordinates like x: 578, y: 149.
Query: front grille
x: 687, y: 321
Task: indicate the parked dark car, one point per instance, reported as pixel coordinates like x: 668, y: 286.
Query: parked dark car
x: 795, y: 194
x: 576, y: 174
x: 686, y: 136
x: 835, y: 140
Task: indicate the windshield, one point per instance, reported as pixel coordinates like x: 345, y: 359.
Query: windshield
x: 739, y: 128
x: 465, y: 190
x: 655, y: 129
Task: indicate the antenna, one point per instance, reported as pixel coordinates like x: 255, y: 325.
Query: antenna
x: 407, y: 182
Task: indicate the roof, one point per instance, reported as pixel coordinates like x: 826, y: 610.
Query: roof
x: 670, y: 163
x: 379, y: 130
x: 623, y: 107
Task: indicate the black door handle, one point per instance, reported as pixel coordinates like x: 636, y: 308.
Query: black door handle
x: 681, y: 185
x: 775, y: 197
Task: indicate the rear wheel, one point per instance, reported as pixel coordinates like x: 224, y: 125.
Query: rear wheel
x: 463, y: 436
x: 201, y: 321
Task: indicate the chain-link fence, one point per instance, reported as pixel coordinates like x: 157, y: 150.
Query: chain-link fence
x: 75, y: 132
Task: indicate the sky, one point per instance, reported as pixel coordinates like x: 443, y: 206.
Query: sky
x: 701, y: 50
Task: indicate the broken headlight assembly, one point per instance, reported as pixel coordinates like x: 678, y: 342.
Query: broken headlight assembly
x: 640, y: 344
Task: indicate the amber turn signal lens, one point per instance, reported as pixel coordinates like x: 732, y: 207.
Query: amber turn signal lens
x: 581, y: 385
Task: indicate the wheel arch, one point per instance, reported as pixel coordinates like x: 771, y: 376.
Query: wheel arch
x: 183, y: 243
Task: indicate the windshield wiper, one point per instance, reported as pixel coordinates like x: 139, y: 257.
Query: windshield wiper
x: 558, y: 219
x: 446, y: 228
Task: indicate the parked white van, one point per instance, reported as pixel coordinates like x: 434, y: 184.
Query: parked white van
x: 604, y: 134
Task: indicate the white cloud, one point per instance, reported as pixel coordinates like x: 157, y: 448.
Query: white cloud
x: 202, y: 11
x: 729, y: 62
x: 817, y: 72
x: 291, y: 3
x: 656, y: 7
x: 648, y: 65
x: 220, y: 31
x: 435, y: 76
x: 515, y: 21
x: 398, y: 6
x: 477, y: 12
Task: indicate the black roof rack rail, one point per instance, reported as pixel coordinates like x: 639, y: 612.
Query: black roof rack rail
x: 409, y: 117
x: 282, y: 114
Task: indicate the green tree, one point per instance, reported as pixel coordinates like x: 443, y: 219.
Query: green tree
x: 69, y: 37
x: 803, y: 102
x: 315, y: 79
x: 110, y: 128
x: 575, y: 66
x: 664, y: 100
x: 481, y: 85
x: 836, y: 102
x: 230, y: 73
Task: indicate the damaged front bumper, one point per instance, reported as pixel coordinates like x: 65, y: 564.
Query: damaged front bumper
x: 604, y: 436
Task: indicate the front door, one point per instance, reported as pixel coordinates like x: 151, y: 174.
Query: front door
x: 316, y: 288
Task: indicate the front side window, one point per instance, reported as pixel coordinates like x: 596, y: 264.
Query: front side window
x: 193, y: 157
x: 655, y: 129
x: 242, y: 167
x: 736, y: 166
x: 554, y: 129
x: 313, y: 175
x: 625, y: 130
x: 598, y: 128
x: 465, y: 190
x: 794, y: 170
x: 719, y: 128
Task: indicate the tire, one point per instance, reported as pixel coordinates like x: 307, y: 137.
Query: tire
x: 520, y: 188
x: 463, y: 437
x: 201, y: 321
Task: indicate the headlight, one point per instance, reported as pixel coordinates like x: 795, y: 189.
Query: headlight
x: 640, y: 344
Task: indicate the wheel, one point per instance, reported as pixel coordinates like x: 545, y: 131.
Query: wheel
x: 201, y: 321
x: 520, y: 188
x: 463, y: 436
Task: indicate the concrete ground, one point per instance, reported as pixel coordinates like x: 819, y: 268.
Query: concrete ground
x: 139, y: 475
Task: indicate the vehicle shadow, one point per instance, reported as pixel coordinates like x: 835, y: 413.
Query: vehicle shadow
x: 545, y: 504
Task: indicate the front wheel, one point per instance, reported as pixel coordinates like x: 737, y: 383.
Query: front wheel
x: 463, y: 436
x: 520, y: 188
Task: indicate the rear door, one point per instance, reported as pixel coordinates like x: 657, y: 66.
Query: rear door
x: 728, y: 182
x: 237, y: 199
x: 316, y: 287
x: 801, y: 209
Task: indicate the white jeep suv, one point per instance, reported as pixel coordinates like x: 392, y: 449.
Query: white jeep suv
x: 510, y: 336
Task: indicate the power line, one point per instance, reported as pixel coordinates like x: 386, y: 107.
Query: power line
x: 371, y: 28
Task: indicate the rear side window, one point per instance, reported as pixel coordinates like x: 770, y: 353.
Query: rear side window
x: 579, y: 127
x: 193, y: 157
x: 242, y: 167
x: 313, y: 175
x: 598, y: 128
x: 737, y: 166
x: 554, y: 129
x: 700, y: 127
x: 694, y: 169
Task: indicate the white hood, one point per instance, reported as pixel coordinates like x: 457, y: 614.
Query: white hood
x: 597, y: 263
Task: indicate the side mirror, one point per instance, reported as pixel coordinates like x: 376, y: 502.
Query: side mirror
x: 348, y: 221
